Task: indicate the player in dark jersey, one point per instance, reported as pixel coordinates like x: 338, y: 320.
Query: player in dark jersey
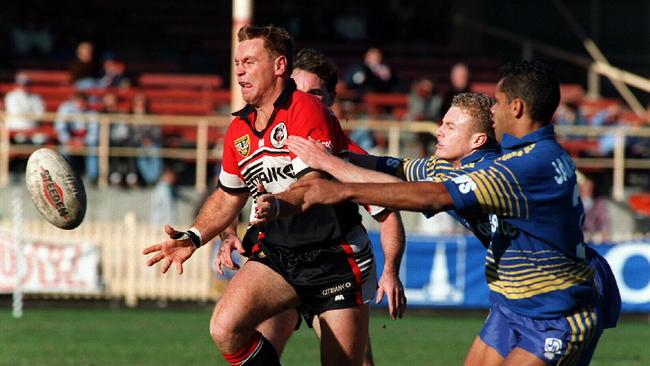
x: 544, y: 298
x: 314, y: 73
x: 320, y: 259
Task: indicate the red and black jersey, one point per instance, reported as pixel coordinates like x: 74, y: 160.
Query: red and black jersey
x: 252, y: 157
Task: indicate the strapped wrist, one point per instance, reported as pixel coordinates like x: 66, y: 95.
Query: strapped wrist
x: 195, y: 237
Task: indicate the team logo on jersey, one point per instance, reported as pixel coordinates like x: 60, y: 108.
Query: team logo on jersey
x: 552, y: 347
x: 279, y: 135
x: 243, y: 145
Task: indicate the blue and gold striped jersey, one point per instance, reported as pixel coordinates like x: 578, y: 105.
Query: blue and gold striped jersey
x: 438, y: 170
x: 535, y: 263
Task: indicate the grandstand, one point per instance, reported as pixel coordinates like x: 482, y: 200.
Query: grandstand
x: 178, y: 56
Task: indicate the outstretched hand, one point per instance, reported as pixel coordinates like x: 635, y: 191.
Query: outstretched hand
x: 311, y: 152
x: 171, y: 250
x: 320, y: 192
x: 391, y: 286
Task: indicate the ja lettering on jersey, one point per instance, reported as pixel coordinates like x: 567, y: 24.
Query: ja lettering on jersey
x: 536, y: 265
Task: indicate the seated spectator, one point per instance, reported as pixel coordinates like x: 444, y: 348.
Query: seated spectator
x: 113, y: 74
x: 20, y: 101
x: 164, y: 199
x: 123, y: 170
x: 569, y: 114
x: 149, y: 137
x: 371, y: 75
x: 459, y: 82
x: 84, y: 70
x: 597, y: 221
x: 424, y: 105
x: 77, y: 126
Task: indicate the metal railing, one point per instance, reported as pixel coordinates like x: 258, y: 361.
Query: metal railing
x: 201, y: 153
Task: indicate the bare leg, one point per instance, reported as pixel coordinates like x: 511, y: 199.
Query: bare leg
x: 279, y: 328
x: 344, y: 333
x: 521, y: 357
x: 480, y: 354
x: 367, y: 356
x: 245, y: 304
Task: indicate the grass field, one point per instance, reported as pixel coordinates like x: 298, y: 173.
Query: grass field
x: 180, y: 337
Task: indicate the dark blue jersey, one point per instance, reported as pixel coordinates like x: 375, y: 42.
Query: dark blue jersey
x: 438, y: 170
x: 535, y: 264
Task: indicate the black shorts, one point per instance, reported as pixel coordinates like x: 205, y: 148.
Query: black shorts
x: 339, y: 276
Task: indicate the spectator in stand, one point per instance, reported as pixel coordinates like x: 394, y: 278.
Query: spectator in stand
x: 85, y: 70
x: 459, y: 82
x: 424, y: 105
x: 371, y: 75
x: 149, y: 138
x: 20, y: 101
x: 123, y: 169
x: 113, y: 75
x: 164, y: 199
x: 77, y: 126
x: 597, y: 221
x: 570, y: 114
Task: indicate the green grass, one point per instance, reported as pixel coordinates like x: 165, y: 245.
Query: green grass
x: 180, y: 337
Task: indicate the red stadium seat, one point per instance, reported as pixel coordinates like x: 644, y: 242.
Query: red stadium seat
x: 48, y: 77
x: 376, y: 103
x: 640, y: 203
x: 183, y: 81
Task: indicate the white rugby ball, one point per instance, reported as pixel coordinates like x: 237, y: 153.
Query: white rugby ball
x: 58, y: 194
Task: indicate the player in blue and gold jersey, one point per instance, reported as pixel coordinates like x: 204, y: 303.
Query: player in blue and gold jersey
x: 544, y: 299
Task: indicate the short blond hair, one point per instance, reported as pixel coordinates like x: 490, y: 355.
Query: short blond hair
x: 479, y: 107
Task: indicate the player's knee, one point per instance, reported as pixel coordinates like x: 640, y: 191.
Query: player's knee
x: 221, y: 330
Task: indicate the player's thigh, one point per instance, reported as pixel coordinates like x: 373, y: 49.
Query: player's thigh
x: 344, y: 334
x: 521, y: 357
x: 481, y: 354
x: 279, y: 328
x: 254, y: 294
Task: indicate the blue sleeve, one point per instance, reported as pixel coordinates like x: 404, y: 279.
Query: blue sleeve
x: 491, y: 189
x: 389, y: 165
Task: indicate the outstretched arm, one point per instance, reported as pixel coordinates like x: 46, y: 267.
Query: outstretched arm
x: 412, y: 196
x: 316, y: 156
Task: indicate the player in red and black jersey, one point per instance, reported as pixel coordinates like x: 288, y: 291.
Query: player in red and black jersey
x: 316, y: 74
x: 320, y: 259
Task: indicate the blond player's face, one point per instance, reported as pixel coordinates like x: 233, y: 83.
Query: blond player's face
x: 310, y: 83
x: 255, y: 71
x: 455, y: 136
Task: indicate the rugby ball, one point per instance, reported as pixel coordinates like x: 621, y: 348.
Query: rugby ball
x: 58, y: 194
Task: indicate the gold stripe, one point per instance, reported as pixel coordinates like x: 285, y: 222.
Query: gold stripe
x: 565, y: 360
x: 518, y: 185
x: 480, y: 193
x: 524, y: 287
x: 506, y: 266
x: 527, y: 295
x: 503, y: 199
x: 507, y: 198
x: 482, y: 183
x: 533, y: 259
x: 538, y: 274
x: 513, y: 196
